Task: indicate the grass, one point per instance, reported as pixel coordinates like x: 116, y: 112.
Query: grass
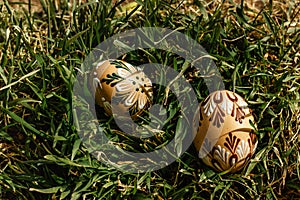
x: 257, y: 54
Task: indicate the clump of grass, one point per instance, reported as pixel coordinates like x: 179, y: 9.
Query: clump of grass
x: 257, y: 53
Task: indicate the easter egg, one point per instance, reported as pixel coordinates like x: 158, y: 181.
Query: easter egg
x: 119, y: 84
x: 225, y: 138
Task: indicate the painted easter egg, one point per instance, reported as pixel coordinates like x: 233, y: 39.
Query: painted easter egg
x: 225, y: 138
x: 119, y: 84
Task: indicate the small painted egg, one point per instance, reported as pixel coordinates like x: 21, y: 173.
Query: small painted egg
x: 119, y: 84
x: 225, y: 139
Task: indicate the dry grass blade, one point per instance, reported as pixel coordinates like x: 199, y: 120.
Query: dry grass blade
x: 255, y: 44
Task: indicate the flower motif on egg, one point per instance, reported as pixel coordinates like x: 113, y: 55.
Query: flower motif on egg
x: 225, y: 137
x: 120, y: 84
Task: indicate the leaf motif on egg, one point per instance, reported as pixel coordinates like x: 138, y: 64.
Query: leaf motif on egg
x: 221, y: 103
x: 123, y: 71
x: 225, y: 138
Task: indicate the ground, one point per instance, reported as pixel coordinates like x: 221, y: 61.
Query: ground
x: 255, y: 46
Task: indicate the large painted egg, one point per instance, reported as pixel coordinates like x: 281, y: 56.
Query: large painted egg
x: 225, y: 139
x: 120, y: 87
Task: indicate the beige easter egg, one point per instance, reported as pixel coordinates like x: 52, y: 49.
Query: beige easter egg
x: 119, y: 84
x: 225, y: 139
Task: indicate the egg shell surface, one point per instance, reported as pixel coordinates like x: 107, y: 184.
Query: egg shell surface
x: 225, y: 138
x: 119, y: 84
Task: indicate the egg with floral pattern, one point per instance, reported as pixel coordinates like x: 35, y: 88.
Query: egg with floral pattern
x: 122, y: 86
x: 225, y: 138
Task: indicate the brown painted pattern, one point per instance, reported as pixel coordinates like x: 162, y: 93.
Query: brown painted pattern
x: 234, y: 151
x: 216, y: 102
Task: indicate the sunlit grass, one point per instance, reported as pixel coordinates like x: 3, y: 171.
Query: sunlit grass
x: 257, y: 54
